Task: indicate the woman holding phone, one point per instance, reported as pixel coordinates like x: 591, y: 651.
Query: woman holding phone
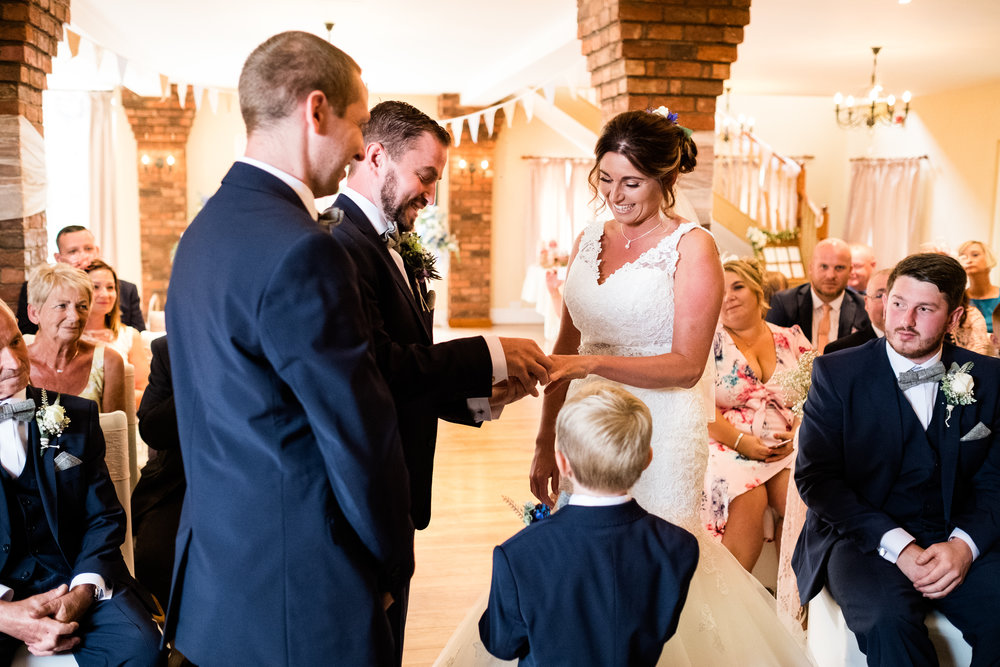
x: 750, y: 441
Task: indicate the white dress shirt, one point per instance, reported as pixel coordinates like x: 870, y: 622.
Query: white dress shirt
x: 922, y: 398
x: 301, y: 189
x: 818, y: 316
x: 480, y: 407
x: 587, y: 500
x: 13, y: 458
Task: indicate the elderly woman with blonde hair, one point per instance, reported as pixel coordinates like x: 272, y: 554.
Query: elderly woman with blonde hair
x: 59, y: 298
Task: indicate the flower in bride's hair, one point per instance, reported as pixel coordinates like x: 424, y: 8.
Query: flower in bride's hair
x: 666, y: 113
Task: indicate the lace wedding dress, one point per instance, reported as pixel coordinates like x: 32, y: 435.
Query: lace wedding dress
x: 729, y: 618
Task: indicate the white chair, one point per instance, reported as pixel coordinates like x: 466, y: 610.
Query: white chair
x: 133, y: 436
x: 833, y: 645
x: 157, y: 319
x: 115, y: 428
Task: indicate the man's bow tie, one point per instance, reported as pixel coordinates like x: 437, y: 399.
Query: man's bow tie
x: 331, y: 217
x: 909, y: 379
x: 22, y: 411
x: 391, y: 236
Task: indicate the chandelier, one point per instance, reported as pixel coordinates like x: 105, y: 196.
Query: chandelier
x: 874, y: 109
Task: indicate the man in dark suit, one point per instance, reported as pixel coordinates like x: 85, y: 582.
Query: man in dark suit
x: 404, y: 157
x: 875, y: 307
x: 899, y: 465
x: 78, y: 249
x: 823, y: 308
x: 295, y: 532
x: 63, y: 583
x: 159, y: 495
x: 618, y: 599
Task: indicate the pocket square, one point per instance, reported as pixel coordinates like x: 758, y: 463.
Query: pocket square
x: 65, y: 461
x: 978, y: 431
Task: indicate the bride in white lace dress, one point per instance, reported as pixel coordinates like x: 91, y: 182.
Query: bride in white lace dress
x: 620, y: 322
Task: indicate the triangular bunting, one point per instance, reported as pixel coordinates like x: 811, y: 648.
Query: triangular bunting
x: 73, y: 41
x: 199, y: 91
x: 182, y: 93
x: 98, y: 56
x: 474, y: 127
x: 164, y: 87
x: 456, y: 130
x: 508, y: 111
x: 489, y: 116
x: 122, y: 64
x: 528, y: 102
x: 550, y: 92
x: 213, y: 99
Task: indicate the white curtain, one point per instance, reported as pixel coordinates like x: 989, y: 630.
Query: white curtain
x: 103, y: 213
x: 882, y: 209
x: 559, y: 203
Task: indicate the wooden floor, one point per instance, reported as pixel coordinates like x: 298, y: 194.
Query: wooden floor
x: 473, y: 468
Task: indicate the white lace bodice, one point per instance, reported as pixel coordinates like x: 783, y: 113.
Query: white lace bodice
x: 632, y: 314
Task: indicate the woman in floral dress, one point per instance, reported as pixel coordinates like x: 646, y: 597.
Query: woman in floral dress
x: 750, y: 441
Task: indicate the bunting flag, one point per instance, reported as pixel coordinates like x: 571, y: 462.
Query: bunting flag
x: 122, y: 64
x: 456, y: 130
x: 508, y: 112
x: 528, y: 102
x: 213, y: 99
x: 164, y: 87
x: 198, y: 92
x: 550, y: 92
x: 182, y: 93
x: 474, y: 127
x: 98, y: 56
x: 489, y: 116
x: 73, y: 41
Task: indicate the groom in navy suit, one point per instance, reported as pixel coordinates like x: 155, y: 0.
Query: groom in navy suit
x: 63, y: 583
x: 295, y: 533
x: 899, y: 465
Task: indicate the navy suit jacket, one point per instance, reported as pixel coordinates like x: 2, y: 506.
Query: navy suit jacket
x: 128, y: 306
x: 81, y: 507
x: 795, y: 306
x: 614, y: 599
x: 296, y: 515
x: 851, y: 447
x: 427, y: 381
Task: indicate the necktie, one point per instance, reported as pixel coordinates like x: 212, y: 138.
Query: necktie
x: 22, y: 411
x: 823, y: 330
x: 918, y: 376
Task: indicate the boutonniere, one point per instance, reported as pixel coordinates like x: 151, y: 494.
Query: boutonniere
x: 52, y: 421
x: 957, y: 386
x: 420, y: 263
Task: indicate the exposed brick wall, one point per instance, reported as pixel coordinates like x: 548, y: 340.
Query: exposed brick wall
x: 470, y: 217
x: 161, y: 129
x: 648, y: 53
x: 29, y: 33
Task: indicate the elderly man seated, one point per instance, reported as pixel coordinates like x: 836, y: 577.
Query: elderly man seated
x: 63, y: 584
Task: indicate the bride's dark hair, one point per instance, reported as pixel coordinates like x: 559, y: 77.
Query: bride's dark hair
x: 655, y: 145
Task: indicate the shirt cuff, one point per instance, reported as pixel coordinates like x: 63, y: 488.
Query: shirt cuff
x: 498, y: 358
x: 893, y: 543
x: 6, y: 594
x: 103, y: 592
x: 960, y: 534
x: 480, y: 409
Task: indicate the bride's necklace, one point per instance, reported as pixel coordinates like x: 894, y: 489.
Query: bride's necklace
x: 70, y: 360
x: 628, y: 241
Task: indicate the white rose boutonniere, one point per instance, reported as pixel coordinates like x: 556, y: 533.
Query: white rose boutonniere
x: 52, y: 421
x: 957, y: 386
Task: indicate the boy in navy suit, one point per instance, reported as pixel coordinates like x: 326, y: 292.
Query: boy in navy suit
x: 621, y: 575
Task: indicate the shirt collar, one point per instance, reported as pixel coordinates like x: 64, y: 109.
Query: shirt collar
x: 300, y: 188
x: 367, y: 207
x: 17, y: 396
x: 900, y: 363
x: 585, y: 500
x: 818, y: 302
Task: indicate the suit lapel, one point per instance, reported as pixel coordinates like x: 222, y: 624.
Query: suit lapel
x: 45, y: 468
x: 888, y: 386
x: 362, y: 229
x: 947, y: 438
x: 806, y: 310
x: 846, y: 321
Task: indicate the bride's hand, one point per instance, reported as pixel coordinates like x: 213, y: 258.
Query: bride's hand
x: 543, y: 468
x: 566, y: 367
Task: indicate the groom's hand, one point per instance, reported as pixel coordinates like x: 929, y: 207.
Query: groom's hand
x: 526, y: 362
x: 947, y: 563
x: 907, y: 562
x: 505, y: 392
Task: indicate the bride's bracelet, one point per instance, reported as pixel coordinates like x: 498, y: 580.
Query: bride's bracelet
x: 736, y: 445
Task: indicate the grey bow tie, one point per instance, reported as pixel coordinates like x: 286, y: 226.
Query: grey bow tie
x: 331, y: 217
x: 391, y: 236
x: 22, y: 411
x: 913, y: 378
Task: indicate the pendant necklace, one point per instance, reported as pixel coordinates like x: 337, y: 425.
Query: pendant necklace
x: 628, y: 241
x: 68, y: 361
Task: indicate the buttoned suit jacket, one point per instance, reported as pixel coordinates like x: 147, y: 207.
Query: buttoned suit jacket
x: 428, y: 381
x: 81, y: 506
x: 615, y: 602
x: 296, y: 513
x: 851, y: 446
x: 795, y: 306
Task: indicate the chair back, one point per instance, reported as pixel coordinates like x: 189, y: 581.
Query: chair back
x: 115, y: 428
x: 133, y: 448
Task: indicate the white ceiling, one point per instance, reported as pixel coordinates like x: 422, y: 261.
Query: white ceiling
x: 487, y: 50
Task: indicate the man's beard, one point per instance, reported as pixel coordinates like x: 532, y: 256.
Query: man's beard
x: 919, y: 353
x: 396, y: 210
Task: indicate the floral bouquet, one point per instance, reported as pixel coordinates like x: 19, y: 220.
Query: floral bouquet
x: 551, y: 256
x: 759, y: 238
x: 796, y: 381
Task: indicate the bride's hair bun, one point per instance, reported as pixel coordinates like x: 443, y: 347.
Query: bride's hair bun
x: 689, y: 155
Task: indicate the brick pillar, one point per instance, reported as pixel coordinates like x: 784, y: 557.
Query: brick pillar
x: 646, y: 53
x: 29, y: 33
x: 470, y: 218
x: 161, y: 129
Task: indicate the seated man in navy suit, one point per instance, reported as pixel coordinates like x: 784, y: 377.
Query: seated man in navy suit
x: 63, y: 583
x: 899, y: 465
x: 617, y: 597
